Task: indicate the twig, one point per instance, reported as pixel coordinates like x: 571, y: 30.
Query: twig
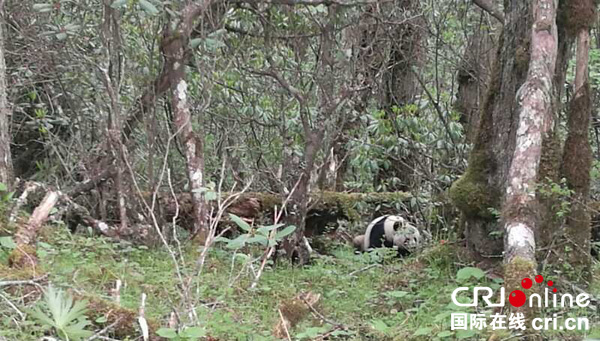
x: 24, y: 282
x: 270, y: 249
x: 104, y: 330
x: 14, y: 307
x: 320, y: 316
x: 284, y: 325
x: 363, y: 269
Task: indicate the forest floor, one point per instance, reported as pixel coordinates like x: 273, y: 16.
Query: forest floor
x: 360, y: 298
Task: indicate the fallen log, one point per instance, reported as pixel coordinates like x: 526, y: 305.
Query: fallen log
x: 24, y: 255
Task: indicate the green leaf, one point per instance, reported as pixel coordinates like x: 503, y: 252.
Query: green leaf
x: 66, y: 318
x: 445, y: 333
x: 101, y: 319
x: 379, y: 325
x: 258, y: 239
x: 168, y: 333
x: 195, y: 42
x: 264, y: 230
x: 193, y: 332
x: 240, y: 222
x: 42, y: 8
x: 8, y: 242
x: 3, y: 187
x: 422, y: 331
x: 238, y: 242
x: 210, y: 196
x: 465, y: 334
x: 396, y: 294
x: 285, y: 232
x: 222, y: 239
x: 213, y: 44
x: 148, y: 7
x: 468, y: 272
x: 118, y: 3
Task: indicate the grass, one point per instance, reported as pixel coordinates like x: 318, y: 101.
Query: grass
x: 396, y: 300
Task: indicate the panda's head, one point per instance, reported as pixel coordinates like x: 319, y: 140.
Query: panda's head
x: 408, y: 237
x: 392, y: 224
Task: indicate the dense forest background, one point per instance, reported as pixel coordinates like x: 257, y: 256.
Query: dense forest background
x: 198, y: 169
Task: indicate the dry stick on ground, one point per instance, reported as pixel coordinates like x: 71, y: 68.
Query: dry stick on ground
x: 321, y: 317
x: 30, y: 186
x: 27, y: 233
x: 33, y: 281
x: 104, y: 330
x: 14, y: 307
x: 363, y: 269
x: 284, y: 324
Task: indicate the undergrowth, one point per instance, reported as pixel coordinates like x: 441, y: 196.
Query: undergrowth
x: 361, y: 299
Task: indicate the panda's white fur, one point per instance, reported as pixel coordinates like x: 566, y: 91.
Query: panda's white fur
x: 389, y: 231
x: 382, y: 232
x: 408, y: 238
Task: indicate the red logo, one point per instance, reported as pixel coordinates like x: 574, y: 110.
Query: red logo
x: 517, y: 298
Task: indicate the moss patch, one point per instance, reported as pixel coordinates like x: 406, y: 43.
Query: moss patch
x: 471, y: 193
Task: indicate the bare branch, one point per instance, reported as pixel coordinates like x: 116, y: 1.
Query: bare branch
x: 488, y: 6
x: 341, y: 3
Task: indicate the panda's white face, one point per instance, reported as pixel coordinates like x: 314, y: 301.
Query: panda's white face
x: 408, y: 237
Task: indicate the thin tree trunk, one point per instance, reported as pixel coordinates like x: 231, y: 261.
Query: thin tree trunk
x: 6, y: 168
x: 174, y: 48
x: 577, y: 157
x: 535, y: 100
x: 111, y: 79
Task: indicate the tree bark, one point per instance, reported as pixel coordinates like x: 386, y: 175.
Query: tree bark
x: 174, y: 50
x: 6, y: 168
x: 473, y: 78
x: 478, y: 194
x: 577, y: 154
x: 535, y: 98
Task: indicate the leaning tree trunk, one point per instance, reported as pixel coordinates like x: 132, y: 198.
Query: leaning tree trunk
x: 474, y: 75
x: 577, y: 156
x: 478, y: 194
x: 6, y: 169
x: 535, y: 100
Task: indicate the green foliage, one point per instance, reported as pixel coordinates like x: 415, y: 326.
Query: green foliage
x: 59, y: 312
x: 465, y: 274
x: 403, y: 299
x: 261, y: 235
x: 186, y: 334
x: 560, y: 193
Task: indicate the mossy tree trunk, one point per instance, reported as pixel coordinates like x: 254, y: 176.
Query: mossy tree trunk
x: 479, y: 193
x: 535, y: 100
x: 550, y: 163
x: 577, y: 156
x: 474, y: 75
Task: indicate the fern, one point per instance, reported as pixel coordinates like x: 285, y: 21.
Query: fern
x: 65, y: 316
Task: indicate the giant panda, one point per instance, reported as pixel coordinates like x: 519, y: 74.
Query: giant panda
x: 389, y: 231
